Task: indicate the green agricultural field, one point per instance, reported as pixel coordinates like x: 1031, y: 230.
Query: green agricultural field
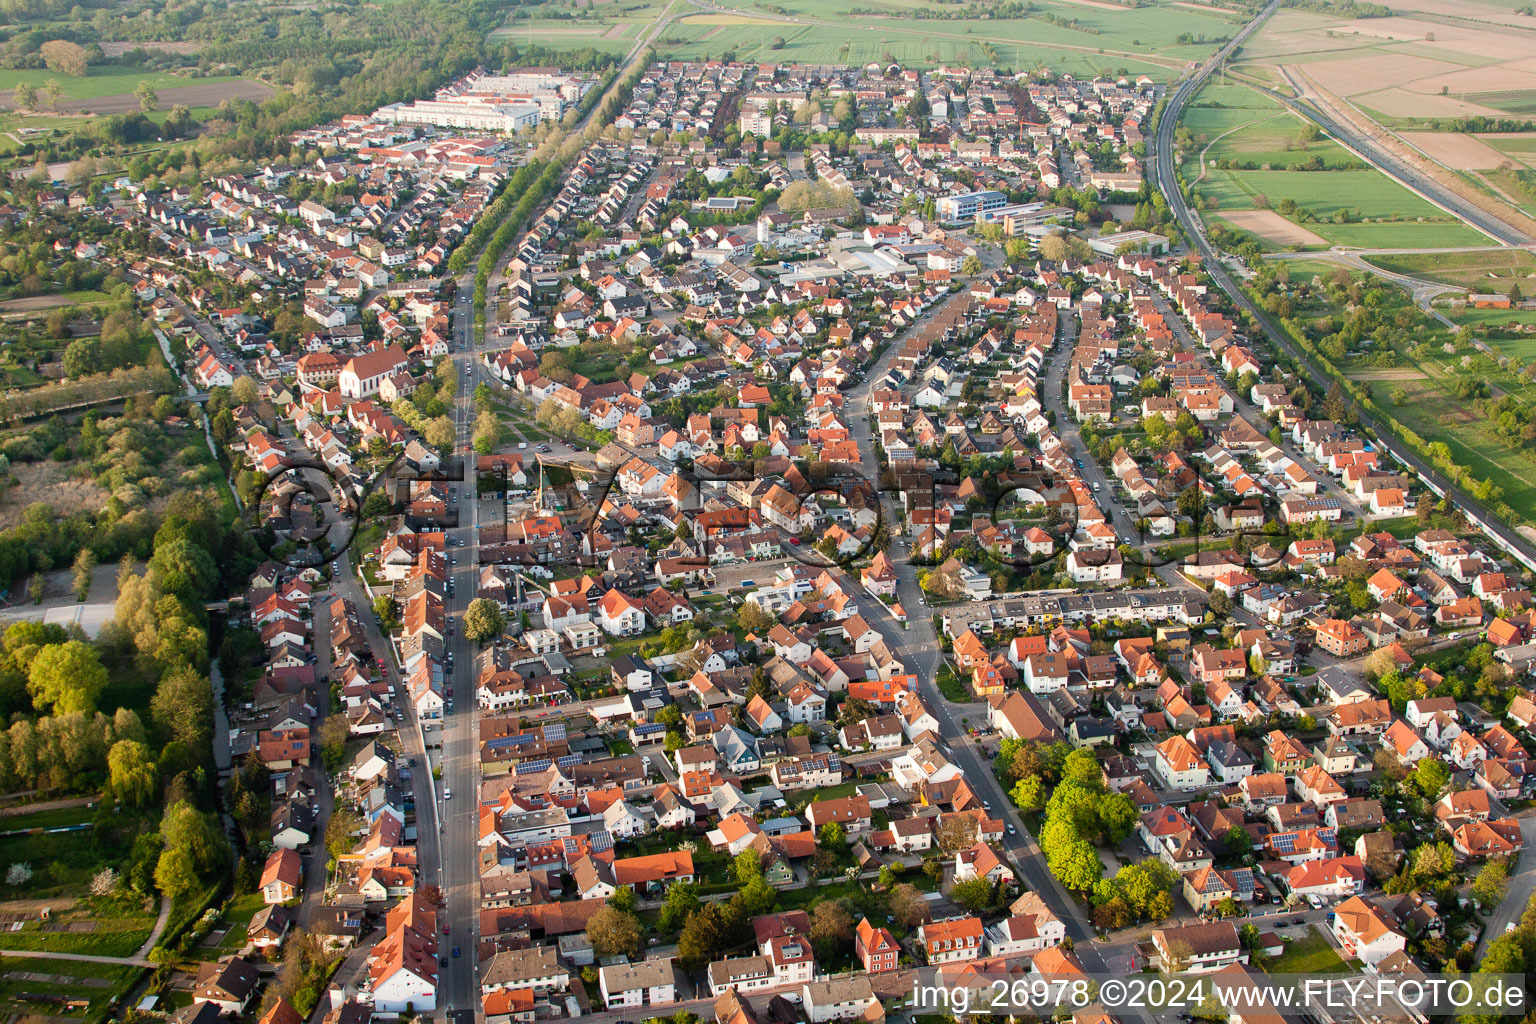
x: 1325, y: 193
x: 1520, y: 102
x: 1408, y: 234
x: 1153, y: 28
x: 1250, y: 135
x: 1488, y: 267
x: 104, y: 81
x: 1437, y: 415
x: 1522, y: 144
x: 1064, y: 36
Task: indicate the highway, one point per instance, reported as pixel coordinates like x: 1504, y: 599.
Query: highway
x: 1164, y: 171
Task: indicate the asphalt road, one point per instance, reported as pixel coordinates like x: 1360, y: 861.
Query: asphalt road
x: 459, y: 757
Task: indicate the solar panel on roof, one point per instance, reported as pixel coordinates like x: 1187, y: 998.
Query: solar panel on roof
x: 529, y: 767
x: 554, y: 731
x: 570, y: 759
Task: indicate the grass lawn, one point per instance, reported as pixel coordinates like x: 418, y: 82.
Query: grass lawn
x: 58, y: 859
x: 1325, y: 193
x: 1311, y: 954
x: 1521, y: 102
x: 836, y: 792
x: 1306, y: 270
x: 1523, y: 347
x: 1428, y: 234
x: 1265, y: 134
x: 237, y: 915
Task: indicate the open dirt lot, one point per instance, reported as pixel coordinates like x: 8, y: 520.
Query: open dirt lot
x: 1493, y: 78
x: 1497, y: 43
x: 117, y: 49
x: 1405, y: 373
x: 1350, y: 76
x: 1272, y: 227
x: 1458, y: 152
x: 207, y: 95
x: 34, y: 303
x: 46, y: 482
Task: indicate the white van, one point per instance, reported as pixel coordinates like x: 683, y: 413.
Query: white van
x: 521, y: 445
x: 447, y: 793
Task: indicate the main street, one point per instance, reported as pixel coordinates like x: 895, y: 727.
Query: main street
x: 459, y: 757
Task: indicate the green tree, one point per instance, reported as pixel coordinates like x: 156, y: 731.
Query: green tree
x: 832, y: 836
x: 184, y: 569
x: 85, y: 567
x: 388, y: 610
x: 682, y: 900
x: 613, y: 932
x: 148, y: 98
x: 1117, y: 817
x: 709, y: 934
x: 1491, y: 884
x: 758, y: 897
x: 175, y: 873
x: 341, y: 830
x: 483, y: 620
x: 973, y: 894
x: 747, y: 866
x: 182, y: 708
x: 624, y: 899
x: 753, y: 619
x: 24, y: 96
x: 1430, y: 776
x: 1028, y: 794
x: 66, y: 678
x: 65, y: 57
x: 1082, y: 769
x: 132, y: 774
x: 185, y: 828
